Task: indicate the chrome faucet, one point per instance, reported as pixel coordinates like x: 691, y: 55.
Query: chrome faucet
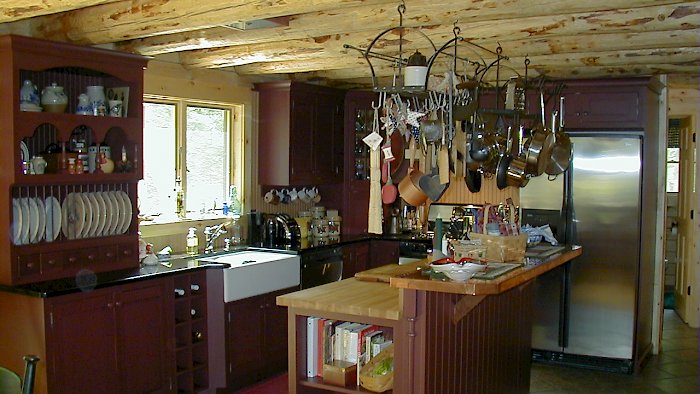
x: 211, y: 233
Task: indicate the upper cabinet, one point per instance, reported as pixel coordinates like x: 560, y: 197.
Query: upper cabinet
x: 605, y: 104
x: 60, y: 218
x: 300, y: 134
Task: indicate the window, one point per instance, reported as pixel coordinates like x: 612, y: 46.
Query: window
x: 673, y: 156
x: 199, y: 143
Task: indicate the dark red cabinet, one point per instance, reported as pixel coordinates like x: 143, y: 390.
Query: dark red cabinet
x: 256, y: 339
x: 605, y: 104
x: 112, y: 339
x: 355, y: 258
x: 358, y: 124
x: 383, y: 252
x: 300, y: 134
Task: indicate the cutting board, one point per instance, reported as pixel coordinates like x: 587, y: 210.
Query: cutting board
x: 386, y: 272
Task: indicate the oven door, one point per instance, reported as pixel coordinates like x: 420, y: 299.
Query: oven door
x: 319, y: 267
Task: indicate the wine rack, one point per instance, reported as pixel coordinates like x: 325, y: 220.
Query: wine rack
x: 191, y: 368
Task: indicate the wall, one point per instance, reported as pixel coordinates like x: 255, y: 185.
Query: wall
x: 684, y: 103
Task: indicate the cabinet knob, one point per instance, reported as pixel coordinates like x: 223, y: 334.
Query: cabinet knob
x: 109, y: 255
x: 72, y: 259
x: 91, y: 257
x: 51, y: 262
x: 110, y: 305
x: 118, y: 303
x: 126, y: 252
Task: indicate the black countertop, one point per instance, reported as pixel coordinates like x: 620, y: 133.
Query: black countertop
x: 88, y: 280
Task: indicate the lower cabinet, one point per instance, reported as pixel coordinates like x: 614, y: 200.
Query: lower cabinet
x: 383, y: 252
x: 110, y: 340
x: 256, y: 339
x: 355, y: 258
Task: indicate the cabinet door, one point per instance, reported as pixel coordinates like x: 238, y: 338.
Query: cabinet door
x: 301, y: 143
x: 355, y: 259
x: 81, y: 343
x: 274, y: 342
x: 328, y: 137
x: 244, y: 322
x: 383, y: 253
x: 608, y: 108
x: 141, y: 338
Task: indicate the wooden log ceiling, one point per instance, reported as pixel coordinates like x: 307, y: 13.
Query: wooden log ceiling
x: 562, y: 38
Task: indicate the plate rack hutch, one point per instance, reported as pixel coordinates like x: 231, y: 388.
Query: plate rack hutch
x: 56, y: 224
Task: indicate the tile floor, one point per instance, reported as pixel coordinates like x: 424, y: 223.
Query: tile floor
x: 673, y: 371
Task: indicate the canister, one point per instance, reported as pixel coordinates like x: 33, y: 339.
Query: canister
x: 334, y: 226
x: 319, y: 228
x: 318, y: 212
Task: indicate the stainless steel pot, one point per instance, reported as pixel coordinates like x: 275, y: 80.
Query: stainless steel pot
x: 561, y: 151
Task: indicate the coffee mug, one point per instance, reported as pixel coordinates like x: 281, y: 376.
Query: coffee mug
x: 272, y: 197
x: 115, y: 108
x: 303, y: 195
x: 284, y: 196
x: 294, y: 194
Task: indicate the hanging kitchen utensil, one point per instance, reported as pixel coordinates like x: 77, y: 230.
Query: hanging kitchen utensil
x: 444, y: 160
x: 473, y: 180
x: 430, y: 184
x: 374, y: 217
x: 389, y: 191
x: 538, y: 147
x: 516, y: 174
x: 561, y: 151
x: 504, y: 163
x: 409, y: 188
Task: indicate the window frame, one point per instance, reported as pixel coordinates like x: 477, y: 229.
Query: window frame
x: 235, y: 145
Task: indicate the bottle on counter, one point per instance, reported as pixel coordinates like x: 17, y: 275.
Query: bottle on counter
x: 192, y: 242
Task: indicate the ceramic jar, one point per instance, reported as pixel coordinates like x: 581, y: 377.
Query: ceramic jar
x: 319, y: 228
x: 96, y: 94
x: 28, y: 94
x: 38, y: 165
x: 53, y: 99
x: 84, y: 107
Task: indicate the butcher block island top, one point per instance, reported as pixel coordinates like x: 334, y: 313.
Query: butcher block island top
x: 409, y: 276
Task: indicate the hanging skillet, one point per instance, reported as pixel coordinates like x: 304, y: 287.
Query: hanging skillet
x: 561, y: 151
x: 504, y: 163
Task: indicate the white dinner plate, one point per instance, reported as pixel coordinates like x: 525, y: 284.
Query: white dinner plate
x: 33, y: 219
x: 16, y: 222
x: 64, y: 215
x: 94, y: 209
x: 42, y: 219
x: 111, y: 213
x: 101, y: 213
x: 126, y: 205
x: 87, y: 218
x: 53, y: 218
x: 116, y: 213
x: 24, y: 235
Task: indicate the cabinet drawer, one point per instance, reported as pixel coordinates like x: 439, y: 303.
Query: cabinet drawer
x: 52, y: 262
x: 29, y: 264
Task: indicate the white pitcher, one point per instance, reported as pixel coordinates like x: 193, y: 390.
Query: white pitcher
x: 97, y: 100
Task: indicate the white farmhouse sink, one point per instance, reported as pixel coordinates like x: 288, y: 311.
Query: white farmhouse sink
x: 251, y: 273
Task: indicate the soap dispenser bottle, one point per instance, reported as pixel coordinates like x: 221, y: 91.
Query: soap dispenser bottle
x: 192, y: 242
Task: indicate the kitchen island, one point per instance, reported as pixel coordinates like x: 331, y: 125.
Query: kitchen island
x: 449, y: 337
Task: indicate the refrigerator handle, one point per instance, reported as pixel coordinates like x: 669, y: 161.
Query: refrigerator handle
x: 565, y: 291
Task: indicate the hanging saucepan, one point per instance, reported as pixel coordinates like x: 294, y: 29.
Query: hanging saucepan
x: 538, y: 148
x: 409, y: 188
x: 471, y: 169
x: 504, y: 161
x: 517, y: 175
x: 561, y: 151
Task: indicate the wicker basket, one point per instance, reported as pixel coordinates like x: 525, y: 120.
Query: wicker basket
x: 377, y: 383
x: 502, y: 248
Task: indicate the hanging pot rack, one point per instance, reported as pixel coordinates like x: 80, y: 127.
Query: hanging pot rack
x: 401, y: 61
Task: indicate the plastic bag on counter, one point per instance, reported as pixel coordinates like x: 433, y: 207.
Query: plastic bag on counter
x: 536, y: 234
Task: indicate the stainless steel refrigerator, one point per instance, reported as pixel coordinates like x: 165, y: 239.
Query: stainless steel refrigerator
x: 585, y: 311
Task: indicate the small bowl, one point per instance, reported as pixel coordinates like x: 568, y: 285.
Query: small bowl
x: 459, y: 275
x: 444, y: 267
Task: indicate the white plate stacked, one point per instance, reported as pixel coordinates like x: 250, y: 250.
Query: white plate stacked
x: 96, y: 214
x: 35, y: 220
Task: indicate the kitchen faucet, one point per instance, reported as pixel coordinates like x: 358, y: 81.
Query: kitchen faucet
x: 211, y: 233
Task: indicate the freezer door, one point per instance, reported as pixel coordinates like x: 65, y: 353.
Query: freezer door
x: 606, y: 175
